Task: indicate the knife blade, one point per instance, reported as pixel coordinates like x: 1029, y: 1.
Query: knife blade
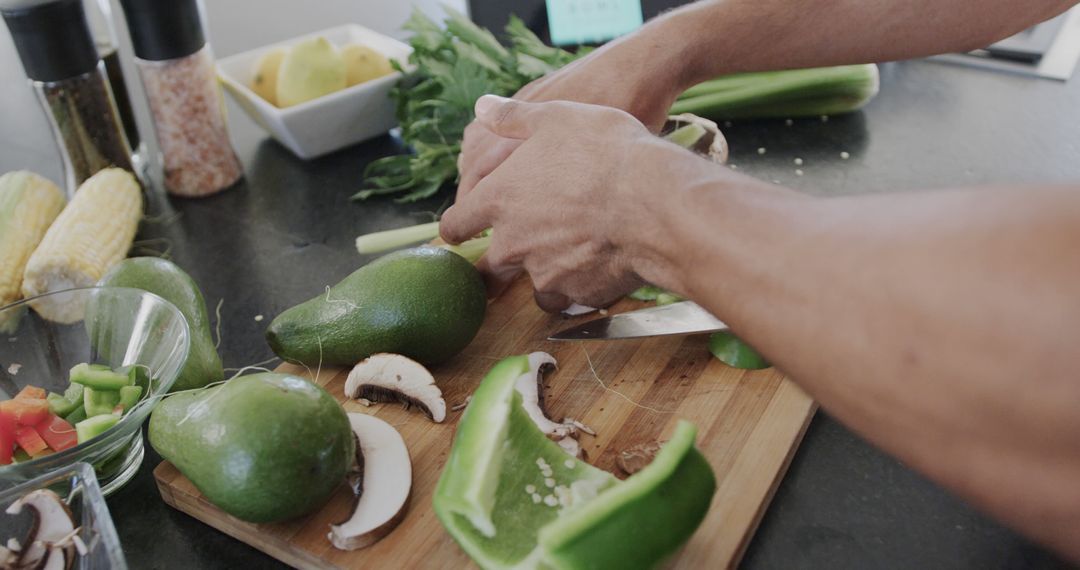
x: 685, y: 317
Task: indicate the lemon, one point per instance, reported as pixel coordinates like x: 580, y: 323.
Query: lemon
x: 311, y: 69
x: 266, y: 74
x: 364, y: 64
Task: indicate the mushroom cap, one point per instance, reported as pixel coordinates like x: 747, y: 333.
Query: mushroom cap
x: 385, y: 377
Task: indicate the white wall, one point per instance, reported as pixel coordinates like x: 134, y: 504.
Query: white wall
x: 238, y: 25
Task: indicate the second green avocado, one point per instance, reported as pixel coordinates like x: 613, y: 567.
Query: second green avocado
x: 426, y: 303
x: 164, y: 279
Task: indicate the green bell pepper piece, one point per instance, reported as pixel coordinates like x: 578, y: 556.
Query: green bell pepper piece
x: 727, y: 348
x: 98, y: 379
x: 99, y: 402
x: 483, y: 497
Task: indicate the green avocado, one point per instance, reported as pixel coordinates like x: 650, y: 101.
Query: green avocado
x: 164, y: 279
x: 425, y: 303
x: 264, y: 447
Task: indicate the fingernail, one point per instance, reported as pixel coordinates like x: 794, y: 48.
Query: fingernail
x: 487, y: 104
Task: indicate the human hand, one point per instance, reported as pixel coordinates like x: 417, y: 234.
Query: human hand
x: 576, y: 205
x: 617, y: 75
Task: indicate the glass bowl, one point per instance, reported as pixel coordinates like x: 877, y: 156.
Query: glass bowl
x: 124, y: 327
x: 78, y: 487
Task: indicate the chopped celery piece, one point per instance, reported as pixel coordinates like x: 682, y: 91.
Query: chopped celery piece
x: 129, y: 396
x: 727, y: 348
x: 98, y: 379
x: 99, y: 402
x: 666, y: 298
x: 95, y: 426
x: 76, y: 416
x: 59, y: 405
x: 647, y: 293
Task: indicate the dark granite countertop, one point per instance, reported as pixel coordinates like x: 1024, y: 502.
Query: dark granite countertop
x: 288, y: 230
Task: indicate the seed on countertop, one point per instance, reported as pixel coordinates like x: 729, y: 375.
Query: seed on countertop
x: 798, y: 172
x: 798, y: 162
x: 258, y: 318
x: 844, y: 155
x: 549, y: 483
x: 761, y: 150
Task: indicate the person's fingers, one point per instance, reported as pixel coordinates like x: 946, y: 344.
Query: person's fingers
x: 466, y: 218
x: 497, y: 278
x: 514, y: 119
x: 551, y: 302
x: 483, y: 159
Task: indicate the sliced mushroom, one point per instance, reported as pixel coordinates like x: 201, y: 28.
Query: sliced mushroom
x: 394, y: 378
x: 712, y: 146
x: 53, y: 524
x: 531, y: 387
x: 637, y: 457
x: 387, y: 482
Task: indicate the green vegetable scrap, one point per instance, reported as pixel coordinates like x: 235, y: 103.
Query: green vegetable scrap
x: 454, y: 67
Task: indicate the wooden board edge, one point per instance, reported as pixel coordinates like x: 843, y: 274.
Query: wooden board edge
x: 202, y: 511
x: 774, y: 485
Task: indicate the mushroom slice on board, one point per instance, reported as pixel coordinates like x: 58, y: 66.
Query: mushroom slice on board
x: 53, y: 523
x: 387, y: 482
x: 531, y: 387
x: 387, y: 377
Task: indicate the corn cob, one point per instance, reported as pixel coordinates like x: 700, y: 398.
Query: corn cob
x: 28, y: 204
x: 91, y: 235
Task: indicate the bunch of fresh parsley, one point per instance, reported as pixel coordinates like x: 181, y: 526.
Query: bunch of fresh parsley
x: 453, y: 67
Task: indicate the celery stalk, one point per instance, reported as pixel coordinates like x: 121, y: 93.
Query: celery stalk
x: 792, y: 93
x: 379, y: 242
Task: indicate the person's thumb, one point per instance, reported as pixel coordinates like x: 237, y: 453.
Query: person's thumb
x: 510, y: 118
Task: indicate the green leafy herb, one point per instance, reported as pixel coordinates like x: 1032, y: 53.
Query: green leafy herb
x: 434, y: 103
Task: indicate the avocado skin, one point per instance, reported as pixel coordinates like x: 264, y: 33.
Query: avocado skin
x: 426, y: 303
x: 166, y: 280
x: 263, y: 448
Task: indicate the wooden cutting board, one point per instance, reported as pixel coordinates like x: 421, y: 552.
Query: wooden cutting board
x: 629, y: 392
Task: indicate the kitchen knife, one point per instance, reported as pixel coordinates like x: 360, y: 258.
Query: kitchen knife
x: 684, y: 317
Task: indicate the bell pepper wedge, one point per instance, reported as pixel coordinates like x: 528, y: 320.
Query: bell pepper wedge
x: 7, y: 438
x: 30, y: 441
x: 30, y: 393
x: 483, y: 497
x: 25, y: 411
x: 57, y: 433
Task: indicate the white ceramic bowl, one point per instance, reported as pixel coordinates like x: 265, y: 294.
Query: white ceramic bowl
x: 330, y: 122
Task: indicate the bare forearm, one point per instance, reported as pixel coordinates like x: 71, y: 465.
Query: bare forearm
x: 714, y: 37
x: 942, y: 326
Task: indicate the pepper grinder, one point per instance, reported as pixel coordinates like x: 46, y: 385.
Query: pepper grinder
x: 99, y: 16
x: 188, y: 108
x: 70, y: 81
